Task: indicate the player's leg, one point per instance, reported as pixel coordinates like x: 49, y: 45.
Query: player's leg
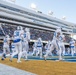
x: 50, y: 51
x: 37, y: 52
x: 40, y: 52
x: 34, y: 50
x: 60, y: 50
x: 58, y: 46
x: 14, y: 53
x: 75, y: 49
x: 63, y: 49
x: 25, y: 55
x: 72, y: 52
x: 8, y: 51
x: 19, y: 51
x: 4, y: 53
x: 60, y: 53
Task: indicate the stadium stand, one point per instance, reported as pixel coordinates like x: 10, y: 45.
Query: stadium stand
x: 35, y: 33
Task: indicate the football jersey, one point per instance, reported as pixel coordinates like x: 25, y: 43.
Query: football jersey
x: 5, y: 41
x: 61, y: 38
x: 72, y: 43
x: 18, y: 35
x: 25, y: 36
x: 39, y: 44
x: 47, y: 47
x: 12, y: 46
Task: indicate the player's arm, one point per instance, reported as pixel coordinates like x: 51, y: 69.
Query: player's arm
x: 42, y: 44
x: 8, y: 42
x: 22, y: 34
x: 28, y: 36
x: 64, y: 38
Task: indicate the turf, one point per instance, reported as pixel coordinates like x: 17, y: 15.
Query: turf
x: 42, y: 67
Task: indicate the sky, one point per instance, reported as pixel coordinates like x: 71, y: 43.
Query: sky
x: 59, y: 7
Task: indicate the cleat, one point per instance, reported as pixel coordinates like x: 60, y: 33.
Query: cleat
x: 4, y: 55
x: 10, y: 60
x: 44, y: 58
x: 57, y: 60
x: 61, y: 59
x: 18, y: 61
x: 26, y: 59
x: 2, y: 59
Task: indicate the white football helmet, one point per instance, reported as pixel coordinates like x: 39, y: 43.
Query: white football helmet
x: 27, y: 29
x: 58, y: 30
x: 39, y: 39
x: 19, y: 28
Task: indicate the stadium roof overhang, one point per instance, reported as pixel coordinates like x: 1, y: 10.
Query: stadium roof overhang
x: 7, y: 16
x: 12, y: 19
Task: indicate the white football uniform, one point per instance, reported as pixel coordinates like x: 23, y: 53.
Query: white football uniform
x: 61, y: 46
x: 6, y: 45
x: 72, y: 45
x: 34, y: 48
x: 39, y: 48
x: 25, y: 45
x: 55, y: 44
x: 47, y: 48
x: 18, y: 43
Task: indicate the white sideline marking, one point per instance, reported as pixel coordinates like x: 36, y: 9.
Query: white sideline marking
x: 8, y: 70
